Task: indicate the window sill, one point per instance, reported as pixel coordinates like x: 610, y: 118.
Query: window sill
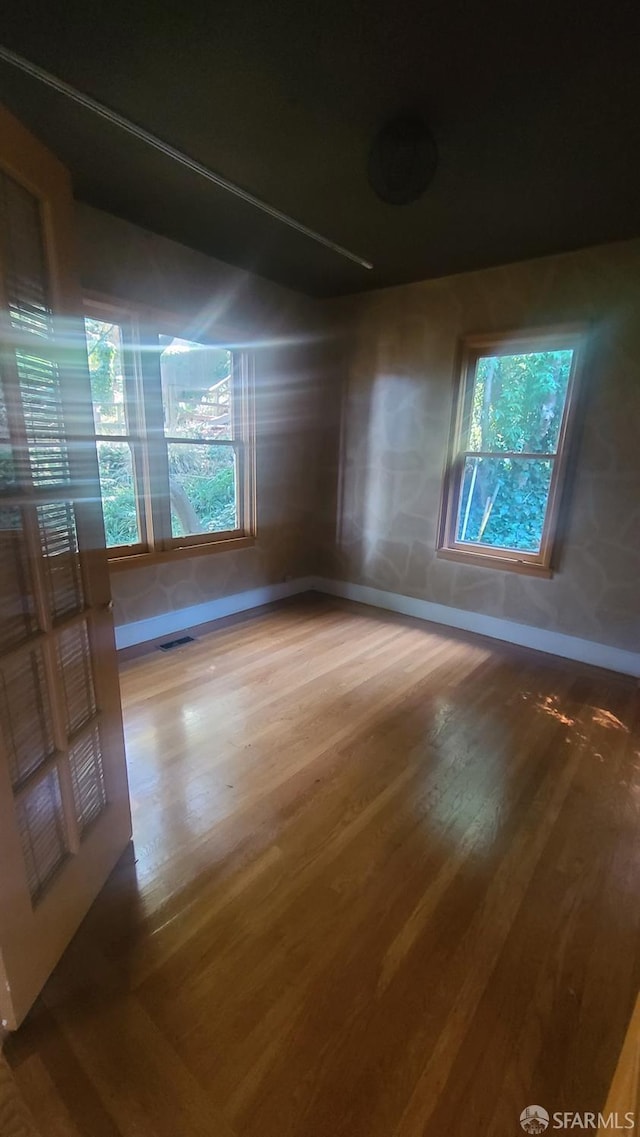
x: 507, y: 564
x: 142, y: 560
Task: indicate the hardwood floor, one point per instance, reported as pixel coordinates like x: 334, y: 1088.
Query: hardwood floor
x: 385, y: 884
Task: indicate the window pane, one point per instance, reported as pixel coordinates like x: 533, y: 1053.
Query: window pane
x: 106, y: 368
x: 503, y: 502
x: 196, y: 389
x: 202, y: 485
x: 518, y: 401
x: 117, y: 487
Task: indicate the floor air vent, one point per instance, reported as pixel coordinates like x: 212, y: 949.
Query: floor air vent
x: 176, y: 643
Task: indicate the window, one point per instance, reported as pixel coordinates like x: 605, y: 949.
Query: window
x: 508, y: 448
x: 198, y: 409
x: 173, y: 424
x: 115, y: 404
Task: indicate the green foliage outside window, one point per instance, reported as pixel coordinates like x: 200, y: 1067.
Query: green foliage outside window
x: 196, y: 396
x: 196, y: 399
x: 517, y: 407
x: 203, y: 489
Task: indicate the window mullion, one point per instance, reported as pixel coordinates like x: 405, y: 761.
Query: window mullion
x: 529, y: 455
x: 135, y: 420
x: 241, y: 484
x: 158, y: 502
x: 189, y: 440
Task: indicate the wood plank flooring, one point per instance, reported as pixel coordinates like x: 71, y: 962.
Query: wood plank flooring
x: 385, y: 884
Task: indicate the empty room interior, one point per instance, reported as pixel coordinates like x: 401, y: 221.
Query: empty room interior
x: 319, y: 569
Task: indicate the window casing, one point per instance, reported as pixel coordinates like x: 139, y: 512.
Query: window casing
x: 182, y: 447
x: 514, y: 407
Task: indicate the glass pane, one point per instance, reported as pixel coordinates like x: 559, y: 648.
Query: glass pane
x: 41, y: 398
x: 106, y: 368
x: 26, y: 714
x: 202, y: 485
x: 40, y: 821
x: 25, y: 260
x: 518, y: 401
x: 87, y: 774
x: 503, y: 502
x: 4, y: 418
x: 74, y: 665
x: 18, y: 607
x: 61, y: 562
x: 8, y: 473
x: 117, y: 486
x: 26, y: 287
x: 196, y: 389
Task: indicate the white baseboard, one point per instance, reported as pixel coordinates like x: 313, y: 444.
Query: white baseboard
x: 166, y: 624
x: 555, y: 643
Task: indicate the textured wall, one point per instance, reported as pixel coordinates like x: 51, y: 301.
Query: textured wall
x: 396, y: 348
x: 352, y: 429
x: 123, y: 261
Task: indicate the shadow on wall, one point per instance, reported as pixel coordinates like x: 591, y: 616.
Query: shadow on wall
x: 393, y: 443
x: 399, y: 358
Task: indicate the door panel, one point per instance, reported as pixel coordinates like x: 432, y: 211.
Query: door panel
x: 64, y: 806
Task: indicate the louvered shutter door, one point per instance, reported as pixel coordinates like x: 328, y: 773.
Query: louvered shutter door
x: 60, y: 729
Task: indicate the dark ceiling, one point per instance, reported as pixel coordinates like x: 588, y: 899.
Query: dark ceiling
x: 535, y: 109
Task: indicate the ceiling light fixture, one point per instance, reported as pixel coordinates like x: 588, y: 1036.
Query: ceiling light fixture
x: 118, y: 120
x: 402, y: 159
